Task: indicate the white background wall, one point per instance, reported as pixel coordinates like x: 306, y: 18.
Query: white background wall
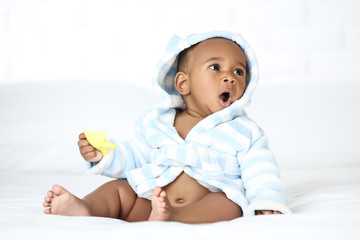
x: 295, y: 40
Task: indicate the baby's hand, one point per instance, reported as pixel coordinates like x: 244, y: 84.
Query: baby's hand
x: 266, y: 212
x: 88, y: 152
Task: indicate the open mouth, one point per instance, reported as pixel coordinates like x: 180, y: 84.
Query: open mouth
x: 225, y: 99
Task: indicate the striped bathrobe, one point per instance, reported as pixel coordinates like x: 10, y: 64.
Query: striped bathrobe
x: 226, y: 151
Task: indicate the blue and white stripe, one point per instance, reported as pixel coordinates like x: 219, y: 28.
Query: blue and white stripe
x: 226, y: 151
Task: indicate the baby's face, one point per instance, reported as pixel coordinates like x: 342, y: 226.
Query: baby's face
x: 217, y: 75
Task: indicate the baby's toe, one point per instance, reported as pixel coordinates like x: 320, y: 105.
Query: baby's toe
x: 157, y: 191
x: 56, y: 189
x: 47, y: 211
x: 50, y: 193
x: 163, y: 204
x: 163, y: 194
x: 48, y: 199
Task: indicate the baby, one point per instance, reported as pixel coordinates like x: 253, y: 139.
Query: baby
x: 197, y: 157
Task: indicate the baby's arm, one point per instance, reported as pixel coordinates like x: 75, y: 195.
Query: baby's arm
x: 120, y: 158
x: 88, y: 152
x: 261, y: 178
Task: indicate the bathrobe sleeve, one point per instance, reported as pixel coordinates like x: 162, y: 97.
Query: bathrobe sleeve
x: 261, y: 177
x: 125, y: 157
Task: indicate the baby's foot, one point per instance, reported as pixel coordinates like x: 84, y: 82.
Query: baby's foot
x: 161, y: 208
x: 59, y: 201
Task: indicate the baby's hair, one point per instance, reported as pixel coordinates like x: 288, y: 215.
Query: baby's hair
x: 183, y: 59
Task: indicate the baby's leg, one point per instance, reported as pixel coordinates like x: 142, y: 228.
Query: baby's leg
x: 114, y: 199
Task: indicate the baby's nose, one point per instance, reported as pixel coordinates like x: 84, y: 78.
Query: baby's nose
x: 228, y: 77
x: 228, y: 80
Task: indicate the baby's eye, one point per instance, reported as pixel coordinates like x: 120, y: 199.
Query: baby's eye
x: 215, y: 67
x: 239, y: 72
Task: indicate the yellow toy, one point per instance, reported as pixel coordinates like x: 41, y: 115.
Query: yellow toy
x: 99, y: 141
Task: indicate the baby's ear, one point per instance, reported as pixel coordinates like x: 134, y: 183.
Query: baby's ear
x: 182, y: 84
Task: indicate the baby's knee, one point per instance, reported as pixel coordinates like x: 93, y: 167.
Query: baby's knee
x: 230, y: 208
x: 118, y: 182
x: 120, y: 186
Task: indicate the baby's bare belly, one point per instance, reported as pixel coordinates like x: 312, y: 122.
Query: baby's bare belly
x: 184, y: 190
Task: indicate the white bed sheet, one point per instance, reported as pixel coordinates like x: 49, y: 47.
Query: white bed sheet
x: 325, y: 204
